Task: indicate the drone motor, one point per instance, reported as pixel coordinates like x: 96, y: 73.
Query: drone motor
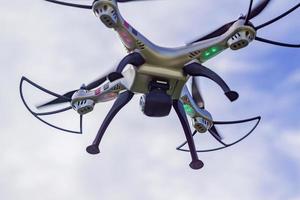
x: 106, y: 13
x: 82, y: 106
x: 241, y: 39
x: 201, y: 125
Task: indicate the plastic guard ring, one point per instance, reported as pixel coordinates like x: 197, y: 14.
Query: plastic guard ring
x: 179, y: 148
x: 37, y: 115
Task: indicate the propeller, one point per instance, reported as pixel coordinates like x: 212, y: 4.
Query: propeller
x: 252, y: 13
x: 249, y: 12
x: 71, y: 4
x: 257, y: 119
x: 215, y: 133
x: 278, y: 18
x: 196, y: 94
x: 85, y: 6
x: 38, y: 115
x: 223, y: 29
x: 257, y: 9
x: 67, y: 97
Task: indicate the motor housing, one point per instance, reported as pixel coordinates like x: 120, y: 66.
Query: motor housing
x: 83, y: 106
x: 200, y: 124
x: 107, y: 13
x: 241, y: 39
x: 80, y: 104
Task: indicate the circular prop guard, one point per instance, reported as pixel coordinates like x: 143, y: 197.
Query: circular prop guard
x: 37, y: 115
x: 179, y: 148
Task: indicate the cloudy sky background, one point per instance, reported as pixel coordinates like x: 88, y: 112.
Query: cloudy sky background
x: 61, y: 48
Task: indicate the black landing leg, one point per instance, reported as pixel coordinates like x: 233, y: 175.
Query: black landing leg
x: 196, y: 163
x: 196, y: 69
x: 134, y: 59
x: 121, y: 101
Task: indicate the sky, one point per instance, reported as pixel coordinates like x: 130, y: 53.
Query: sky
x: 61, y: 48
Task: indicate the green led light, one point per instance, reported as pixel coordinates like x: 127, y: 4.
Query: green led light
x: 214, y: 49
x: 188, y: 109
x: 211, y: 52
x: 207, y: 53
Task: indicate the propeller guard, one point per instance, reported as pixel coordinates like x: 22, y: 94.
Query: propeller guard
x: 37, y: 115
x: 180, y: 147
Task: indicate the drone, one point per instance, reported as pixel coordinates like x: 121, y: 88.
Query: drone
x: 160, y: 75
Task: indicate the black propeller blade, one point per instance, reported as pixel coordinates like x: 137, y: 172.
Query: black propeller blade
x: 71, y: 4
x: 223, y: 29
x: 271, y: 22
x: 249, y: 12
x: 96, y: 83
x: 125, y: 1
x: 200, y: 102
x: 278, y: 18
x: 215, y: 133
x: 84, y: 6
x: 258, y: 9
x: 277, y: 43
x: 67, y: 97
x: 196, y: 94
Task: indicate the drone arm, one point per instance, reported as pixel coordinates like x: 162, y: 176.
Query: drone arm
x: 105, y: 92
x: 135, y: 59
x: 196, y: 69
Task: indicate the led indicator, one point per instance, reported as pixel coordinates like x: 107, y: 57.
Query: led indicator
x: 188, y: 109
x: 214, y: 49
x: 211, y: 52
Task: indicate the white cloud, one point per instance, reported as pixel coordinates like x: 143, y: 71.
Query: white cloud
x: 289, y: 143
x: 294, y: 78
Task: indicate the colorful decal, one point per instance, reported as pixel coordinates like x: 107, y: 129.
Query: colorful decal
x: 134, y: 31
x: 126, y: 38
x: 109, y: 96
x: 98, y: 91
x: 185, y: 99
x: 126, y: 24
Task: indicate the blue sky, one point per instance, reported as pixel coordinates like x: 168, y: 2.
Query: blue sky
x: 61, y: 48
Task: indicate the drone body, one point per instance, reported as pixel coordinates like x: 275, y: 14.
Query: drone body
x: 168, y: 63
x: 161, y: 74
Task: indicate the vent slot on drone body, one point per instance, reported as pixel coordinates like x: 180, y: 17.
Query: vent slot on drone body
x: 194, y: 54
x: 140, y: 44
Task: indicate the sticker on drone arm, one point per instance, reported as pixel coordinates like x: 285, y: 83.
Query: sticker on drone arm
x: 130, y: 28
x: 108, y: 97
x: 98, y: 91
x: 126, y: 25
x: 185, y: 99
x: 126, y: 39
